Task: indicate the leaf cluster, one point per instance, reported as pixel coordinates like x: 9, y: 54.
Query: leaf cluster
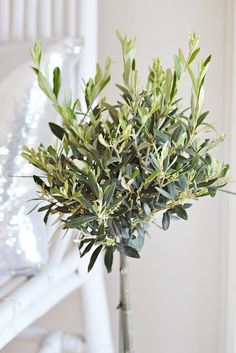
x: 115, y: 167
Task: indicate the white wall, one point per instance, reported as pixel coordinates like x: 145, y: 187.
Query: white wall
x: 177, y: 285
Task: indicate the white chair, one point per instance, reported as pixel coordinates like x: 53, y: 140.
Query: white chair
x: 25, y: 299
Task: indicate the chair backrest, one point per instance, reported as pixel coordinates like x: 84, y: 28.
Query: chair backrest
x: 39, y: 19
x: 31, y: 19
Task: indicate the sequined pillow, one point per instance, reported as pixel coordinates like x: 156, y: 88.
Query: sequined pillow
x: 24, y: 116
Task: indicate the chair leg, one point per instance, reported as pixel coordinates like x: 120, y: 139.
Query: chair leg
x: 98, y: 335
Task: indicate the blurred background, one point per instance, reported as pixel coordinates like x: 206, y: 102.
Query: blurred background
x: 183, y: 287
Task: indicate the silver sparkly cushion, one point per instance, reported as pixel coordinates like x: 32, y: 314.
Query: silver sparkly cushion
x: 24, y: 116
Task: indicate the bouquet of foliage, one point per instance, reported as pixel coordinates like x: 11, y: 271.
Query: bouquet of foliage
x: 115, y: 168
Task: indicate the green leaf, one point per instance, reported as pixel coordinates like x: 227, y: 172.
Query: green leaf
x: 186, y: 205
x: 115, y: 227
x: 102, y: 140
x: 40, y: 182
x: 193, y: 79
x: 154, y: 162
x: 147, y: 209
x: 93, y: 184
x: 207, y: 183
x: 116, y: 203
x: 193, y: 55
x: 211, y: 192
x: 46, y: 88
x: 56, y: 81
x: 113, y: 112
x: 208, y: 60
x: 108, y: 258
x: 57, y: 130
x: 166, y: 220
x: 165, y: 151
x: 88, y: 248
x: 44, y: 208
x: 127, y: 69
x: 45, y: 218
x: 224, y: 171
x: 168, y: 83
x: 181, y: 212
x: 202, y: 117
x: 164, y: 193
x: 177, y: 65
x: 127, y: 250
x: 109, y: 193
x: 182, y: 181
x: 94, y: 257
x: 181, y: 56
x: 123, y: 89
x: 152, y: 177
x: 86, y: 203
x: 78, y: 221
x: 161, y: 136
x: 93, y: 151
x: 36, y: 53
x: 81, y: 165
x: 37, y: 180
x: 173, y: 88
x: 200, y: 99
x: 124, y: 162
x: 177, y: 134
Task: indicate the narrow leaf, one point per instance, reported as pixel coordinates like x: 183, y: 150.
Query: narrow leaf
x: 109, y: 193
x: 181, y: 212
x: 57, y: 130
x: 81, y: 165
x: 93, y: 184
x: 152, y: 177
x: 88, y: 248
x: 44, y: 208
x: 164, y: 193
x: 102, y: 140
x: 45, y: 219
x: 193, y: 55
x: 166, y: 220
x: 202, y: 118
x: 108, y: 258
x: 56, y: 81
x: 85, y: 202
x: 94, y: 257
x: 80, y: 220
x: 127, y: 250
x: 40, y: 182
x: 45, y: 87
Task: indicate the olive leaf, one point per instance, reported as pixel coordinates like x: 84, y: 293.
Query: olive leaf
x: 57, y: 130
x: 94, y: 257
x: 56, y: 81
x: 166, y: 220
